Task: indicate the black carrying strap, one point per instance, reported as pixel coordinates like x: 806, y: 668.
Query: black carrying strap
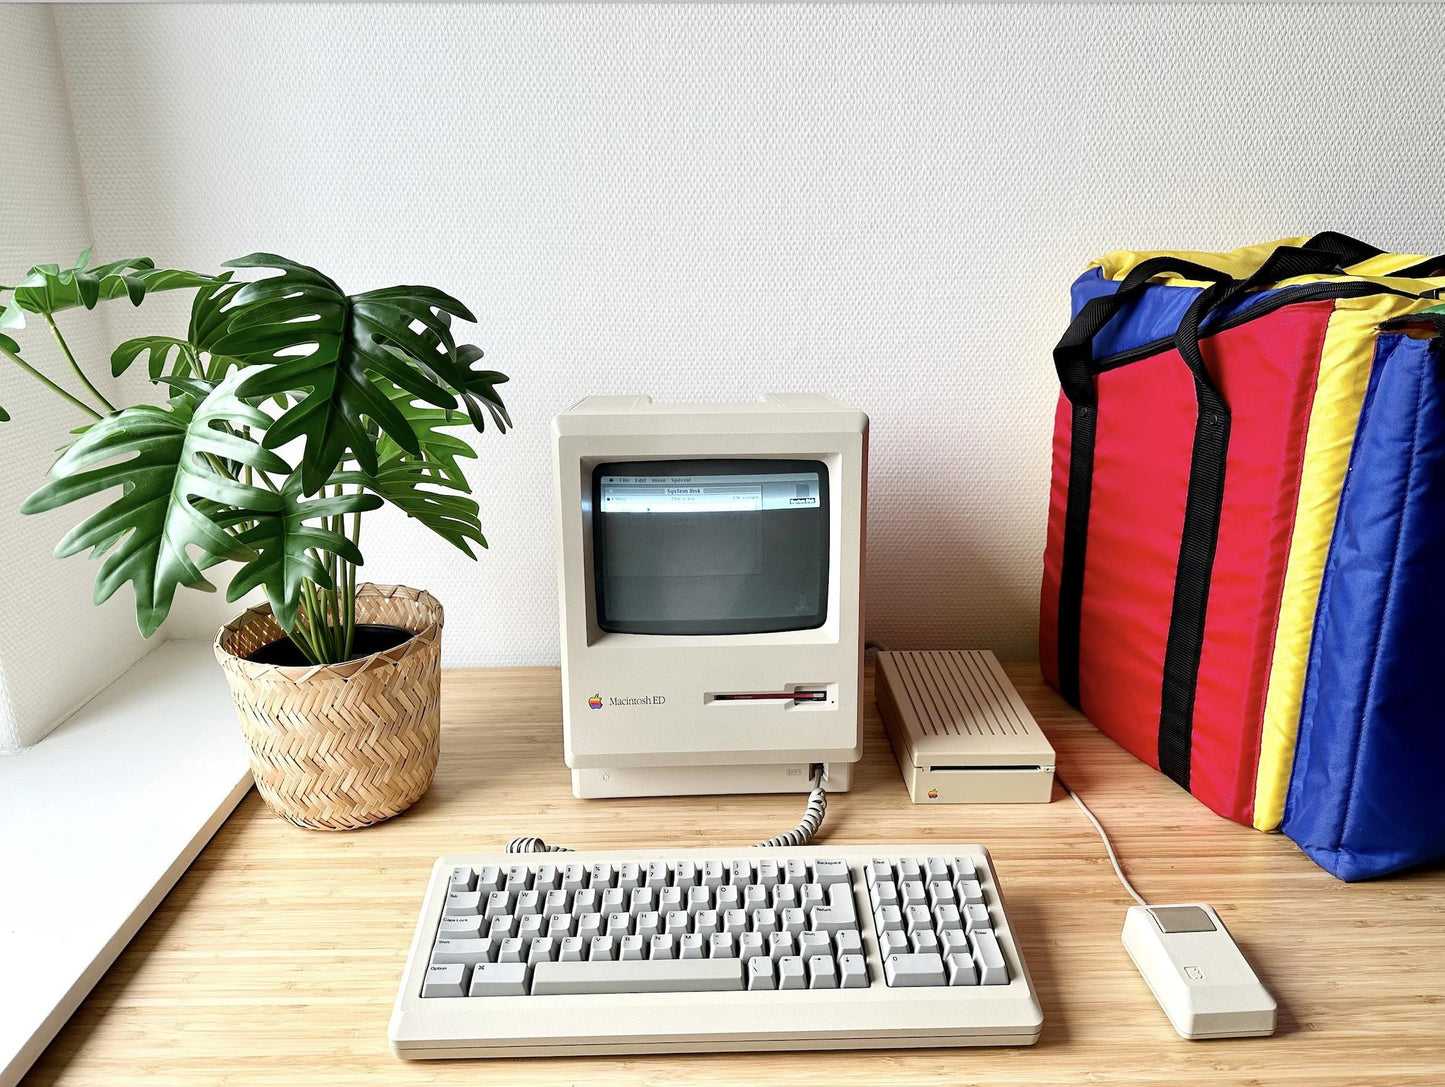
x: 1353, y: 251
x: 1205, y: 503
x: 1074, y: 361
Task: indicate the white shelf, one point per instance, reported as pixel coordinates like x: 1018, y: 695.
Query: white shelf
x: 97, y: 822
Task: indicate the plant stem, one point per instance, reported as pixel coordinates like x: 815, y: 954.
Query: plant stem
x: 52, y: 386
x: 70, y: 358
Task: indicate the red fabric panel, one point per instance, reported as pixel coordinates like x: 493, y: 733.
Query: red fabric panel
x: 1267, y: 371
x: 1054, y: 546
x: 1136, y: 516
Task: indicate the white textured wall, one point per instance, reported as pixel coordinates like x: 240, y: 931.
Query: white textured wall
x: 55, y: 649
x: 885, y: 203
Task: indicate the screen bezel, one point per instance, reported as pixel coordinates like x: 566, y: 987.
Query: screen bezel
x: 716, y: 466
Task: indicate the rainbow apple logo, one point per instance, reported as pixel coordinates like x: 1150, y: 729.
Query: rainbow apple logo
x: 932, y: 794
x: 595, y: 702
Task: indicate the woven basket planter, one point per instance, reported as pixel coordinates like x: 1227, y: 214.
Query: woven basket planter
x: 341, y: 746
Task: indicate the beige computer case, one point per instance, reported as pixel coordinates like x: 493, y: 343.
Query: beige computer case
x: 671, y: 739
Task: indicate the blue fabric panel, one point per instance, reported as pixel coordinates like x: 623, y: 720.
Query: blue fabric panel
x: 1364, y: 796
x: 1154, y: 316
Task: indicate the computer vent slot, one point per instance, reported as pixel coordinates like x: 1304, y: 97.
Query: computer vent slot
x: 959, y: 693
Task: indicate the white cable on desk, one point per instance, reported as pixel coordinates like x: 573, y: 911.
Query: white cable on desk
x: 1108, y: 845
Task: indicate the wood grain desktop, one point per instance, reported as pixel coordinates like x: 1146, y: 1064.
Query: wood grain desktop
x: 275, y: 960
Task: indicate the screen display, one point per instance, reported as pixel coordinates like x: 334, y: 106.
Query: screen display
x: 710, y: 546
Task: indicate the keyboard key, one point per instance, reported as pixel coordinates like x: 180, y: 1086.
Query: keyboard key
x: 760, y: 973
x: 501, y: 979
x: 812, y: 895
x: 546, y: 878
x: 541, y: 950
x: 917, y: 919
x: 698, y: 900
x: 571, y: 949
x: 740, y: 873
x: 662, y: 946
x: 519, y: 878
x: 945, y: 918
x: 467, y: 952
x: 735, y: 922
x: 511, y: 950
x: 612, y: 900
x: 574, y: 878
x: 784, y: 895
x: 727, y: 897
x: 909, y: 970
x: 935, y: 868
x: 619, y: 924
x: 755, y: 897
x: 601, y: 876
x: 954, y: 942
x: 923, y: 941
x: 853, y: 972
x: 814, y: 943
x: 767, y: 875
x: 964, y: 868
x: 960, y: 970
x: 791, y: 974
x: 827, y: 871
x: 766, y: 922
x: 888, y: 919
x: 795, y: 872
x: 885, y: 894
x: 637, y: 976
x: 675, y: 922
x: 911, y: 893
x: 781, y: 944
x: 908, y: 868
x: 589, y: 925
x: 848, y: 942
x: 831, y: 919
x: 461, y: 928
x: 690, y: 946
x: 721, y: 945
x: 498, y: 904
x: 880, y: 870
x: 556, y: 902
x: 631, y: 947
x: 658, y: 877
x: 706, y: 922
x: 969, y: 891
x: 629, y: 876
x: 602, y: 949
x: 586, y: 900
x: 685, y: 874
x: 649, y: 924
x: 750, y: 944
x: 529, y: 928
x: 975, y: 917
x: 893, y: 943
x: 988, y: 958
x: 712, y: 874
x: 793, y: 920
x: 822, y: 972
x: 489, y: 879
x: 462, y: 879
x: 463, y: 903
x: 940, y: 893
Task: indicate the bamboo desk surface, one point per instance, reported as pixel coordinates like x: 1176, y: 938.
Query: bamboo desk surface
x: 275, y: 959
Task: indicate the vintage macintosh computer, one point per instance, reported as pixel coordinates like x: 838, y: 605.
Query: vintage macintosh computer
x: 711, y: 585
x: 710, y: 581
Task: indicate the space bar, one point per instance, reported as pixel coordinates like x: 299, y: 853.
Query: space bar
x: 637, y: 976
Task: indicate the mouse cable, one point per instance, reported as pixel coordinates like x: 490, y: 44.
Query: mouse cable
x: 802, y: 834
x: 1104, y: 835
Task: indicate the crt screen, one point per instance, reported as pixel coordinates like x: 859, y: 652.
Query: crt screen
x: 710, y: 546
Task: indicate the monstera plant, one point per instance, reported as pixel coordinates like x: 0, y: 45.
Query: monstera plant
x: 291, y: 409
x: 285, y: 410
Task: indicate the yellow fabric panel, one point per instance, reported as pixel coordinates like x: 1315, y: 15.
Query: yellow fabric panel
x: 1237, y: 262
x: 1343, y: 376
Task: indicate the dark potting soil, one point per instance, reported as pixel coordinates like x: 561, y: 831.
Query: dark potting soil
x: 367, y: 639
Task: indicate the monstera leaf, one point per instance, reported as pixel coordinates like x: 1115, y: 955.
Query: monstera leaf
x: 440, y: 449
x: 208, y: 321
x: 168, y: 521
x: 49, y: 288
x: 285, y: 541
x: 350, y: 345
x: 404, y: 481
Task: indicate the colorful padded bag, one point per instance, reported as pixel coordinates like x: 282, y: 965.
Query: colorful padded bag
x: 1215, y: 597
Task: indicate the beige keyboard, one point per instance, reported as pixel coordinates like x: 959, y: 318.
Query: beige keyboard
x: 708, y: 950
